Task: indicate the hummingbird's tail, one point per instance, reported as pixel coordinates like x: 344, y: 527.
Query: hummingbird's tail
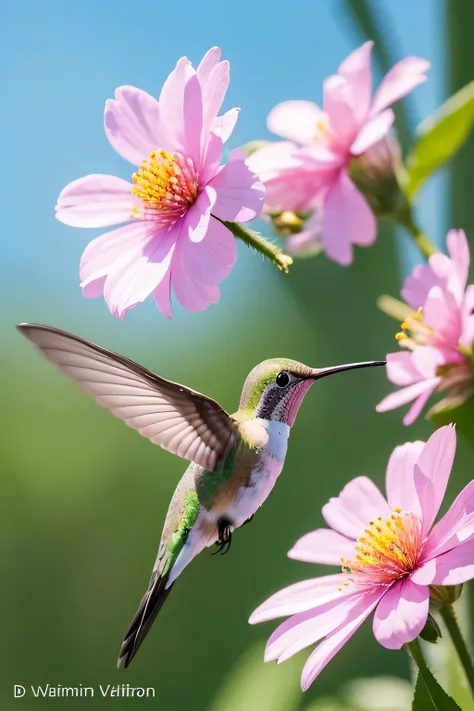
x: 150, y: 606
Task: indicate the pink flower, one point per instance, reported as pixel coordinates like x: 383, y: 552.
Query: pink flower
x: 439, y: 337
x: 389, y: 552
x: 313, y: 164
x: 173, y: 204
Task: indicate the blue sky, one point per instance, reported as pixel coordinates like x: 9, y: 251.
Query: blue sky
x: 62, y: 60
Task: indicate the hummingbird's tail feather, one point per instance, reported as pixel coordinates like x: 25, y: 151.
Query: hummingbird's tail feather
x: 150, y: 606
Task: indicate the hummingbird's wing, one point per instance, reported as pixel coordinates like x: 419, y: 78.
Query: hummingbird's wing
x: 173, y: 416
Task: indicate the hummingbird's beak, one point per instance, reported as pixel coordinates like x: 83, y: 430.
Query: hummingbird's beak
x: 322, y: 372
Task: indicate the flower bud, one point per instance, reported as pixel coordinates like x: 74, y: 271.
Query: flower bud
x: 287, y: 223
x: 441, y: 595
x: 378, y: 173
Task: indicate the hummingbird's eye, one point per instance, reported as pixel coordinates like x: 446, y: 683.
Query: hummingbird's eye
x: 282, y: 379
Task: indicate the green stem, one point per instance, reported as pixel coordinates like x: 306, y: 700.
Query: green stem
x: 417, y: 654
x: 450, y: 620
x: 424, y: 244
x: 260, y: 244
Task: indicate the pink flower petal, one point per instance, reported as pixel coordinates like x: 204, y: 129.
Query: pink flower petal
x: 240, y: 194
x: 358, y: 74
x: 100, y: 254
x: 451, y: 568
x: 421, y: 400
x: 172, y: 103
x: 343, y: 123
x: 401, y: 492
x: 435, y: 464
x: 327, y: 649
x: 323, y: 546
x: 401, y: 369
x: 458, y: 249
x: 276, y: 158
x: 373, y: 131
x: 162, y: 295
x: 132, y: 124
x: 299, y: 597
x: 93, y: 288
x: 402, y: 78
x: 198, y: 267
x: 347, y: 220
x: 447, y: 275
x: 135, y: 276
x: 314, y: 629
x: 194, y: 129
x: 442, y: 314
x: 214, y: 88
x: 417, y: 286
x: 208, y: 62
x: 426, y: 360
x: 223, y: 125
x: 296, y: 120
x: 467, y: 316
x: 419, y: 392
x: 212, y: 159
x: 456, y: 526
x: 196, y: 222
x: 401, y: 614
x: 359, y: 502
x: 308, y: 627
x: 424, y: 573
x: 95, y: 201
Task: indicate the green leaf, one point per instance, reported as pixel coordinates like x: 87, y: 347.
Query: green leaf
x: 432, y: 697
x: 440, y: 136
x: 461, y: 415
x: 429, y: 695
x: 431, y: 631
x: 421, y: 700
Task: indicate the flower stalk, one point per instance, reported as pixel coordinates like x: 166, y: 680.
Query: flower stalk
x: 424, y: 244
x: 414, y: 649
x: 451, y: 622
x: 260, y: 244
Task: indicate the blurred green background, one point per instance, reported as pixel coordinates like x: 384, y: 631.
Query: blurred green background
x: 83, y: 498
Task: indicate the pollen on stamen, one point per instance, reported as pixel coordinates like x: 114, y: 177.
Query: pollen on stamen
x: 166, y: 185
x: 388, y: 551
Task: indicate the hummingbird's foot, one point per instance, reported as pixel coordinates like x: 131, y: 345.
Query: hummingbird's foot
x: 224, y: 530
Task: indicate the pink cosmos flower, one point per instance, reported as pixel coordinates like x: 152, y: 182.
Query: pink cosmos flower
x: 173, y: 204
x: 390, y: 554
x: 439, y: 337
x: 313, y: 164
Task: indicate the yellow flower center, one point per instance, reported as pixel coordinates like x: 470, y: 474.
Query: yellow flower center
x: 321, y: 129
x: 165, y: 183
x: 414, y: 331
x: 387, y: 551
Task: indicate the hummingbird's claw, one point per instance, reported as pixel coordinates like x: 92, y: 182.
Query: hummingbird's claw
x: 224, y: 530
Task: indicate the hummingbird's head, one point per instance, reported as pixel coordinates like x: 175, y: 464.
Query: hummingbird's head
x: 274, y: 389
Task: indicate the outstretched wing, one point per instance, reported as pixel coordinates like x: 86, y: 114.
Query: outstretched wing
x: 173, y: 416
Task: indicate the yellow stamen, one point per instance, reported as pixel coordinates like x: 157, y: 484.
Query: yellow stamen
x: 153, y: 178
x: 414, y: 332
x: 388, y: 551
x: 166, y: 183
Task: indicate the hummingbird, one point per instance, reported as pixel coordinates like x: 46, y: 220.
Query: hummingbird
x: 235, y: 459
